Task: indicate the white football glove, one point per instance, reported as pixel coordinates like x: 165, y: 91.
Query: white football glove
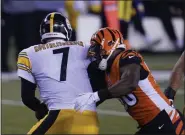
x: 171, y: 102
x: 85, y: 99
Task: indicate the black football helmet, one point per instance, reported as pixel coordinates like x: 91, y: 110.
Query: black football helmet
x: 55, y: 25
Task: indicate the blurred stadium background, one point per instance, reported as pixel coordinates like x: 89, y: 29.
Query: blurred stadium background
x: 155, y: 28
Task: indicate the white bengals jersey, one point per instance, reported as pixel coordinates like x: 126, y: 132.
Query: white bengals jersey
x: 59, y: 70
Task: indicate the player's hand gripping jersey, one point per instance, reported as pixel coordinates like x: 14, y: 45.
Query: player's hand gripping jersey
x: 147, y: 100
x: 59, y: 69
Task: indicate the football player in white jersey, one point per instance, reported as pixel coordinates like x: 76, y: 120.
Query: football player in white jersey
x: 57, y: 67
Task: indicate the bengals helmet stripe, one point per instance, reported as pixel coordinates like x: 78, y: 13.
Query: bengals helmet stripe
x: 51, y: 21
x: 112, y: 34
x: 102, y: 33
x: 119, y: 36
x: 104, y: 41
x: 98, y: 37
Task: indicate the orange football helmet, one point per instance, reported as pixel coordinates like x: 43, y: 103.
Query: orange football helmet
x: 104, y: 42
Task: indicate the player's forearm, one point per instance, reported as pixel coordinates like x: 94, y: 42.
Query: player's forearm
x: 177, y: 74
x: 120, y: 89
x: 176, y: 78
x: 129, y: 81
x: 32, y: 103
x: 29, y: 99
x: 28, y: 95
x: 175, y: 83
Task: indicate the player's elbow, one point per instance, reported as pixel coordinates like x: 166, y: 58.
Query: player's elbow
x: 31, y: 102
x: 27, y: 97
x: 26, y: 100
x: 134, y: 85
x: 131, y: 88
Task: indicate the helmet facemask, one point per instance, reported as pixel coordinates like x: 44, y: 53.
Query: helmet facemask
x: 103, y: 44
x: 95, y: 51
x: 103, y: 62
x: 99, y: 54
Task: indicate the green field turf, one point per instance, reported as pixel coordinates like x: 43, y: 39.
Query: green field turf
x: 18, y: 119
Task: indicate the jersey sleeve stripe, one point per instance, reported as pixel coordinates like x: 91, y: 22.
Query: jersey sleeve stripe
x: 23, y: 68
x: 21, y: 65
x: 22, y: 60
x: 23, y: 53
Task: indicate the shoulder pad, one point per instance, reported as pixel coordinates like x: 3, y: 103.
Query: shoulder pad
x: 130, y: 57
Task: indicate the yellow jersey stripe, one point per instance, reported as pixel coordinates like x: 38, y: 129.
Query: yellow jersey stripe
x: 51, y: 21
x: 21, y: 65
x: 24, y: 61
x: 23, y: 53
x: 25, y: 69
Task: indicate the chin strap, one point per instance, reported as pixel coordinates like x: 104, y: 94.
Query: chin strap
x: 103, y: 62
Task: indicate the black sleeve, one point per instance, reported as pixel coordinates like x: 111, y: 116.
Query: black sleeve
x: 28, y: 95
x: 96, y: 77
x: 170, y: 93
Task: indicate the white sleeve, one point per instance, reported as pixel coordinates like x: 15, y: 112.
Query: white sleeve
x: 87, y: 61
x: 24, y: 68
x: 87, y: 45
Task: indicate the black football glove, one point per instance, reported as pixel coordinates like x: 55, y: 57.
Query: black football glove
x: 170, y: 94
x: 41, y: 112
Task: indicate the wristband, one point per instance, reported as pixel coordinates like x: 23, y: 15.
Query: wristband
x: 104, y: 94
x: 170, y: 93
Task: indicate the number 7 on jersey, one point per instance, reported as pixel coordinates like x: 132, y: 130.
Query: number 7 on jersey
x: 63, y: 69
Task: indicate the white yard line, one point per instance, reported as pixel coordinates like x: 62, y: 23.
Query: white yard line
x: 180, y: 92
x: 100, y: 111
x: 113, y: 113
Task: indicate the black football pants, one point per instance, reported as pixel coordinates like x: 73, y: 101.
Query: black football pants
x: 160, y: 125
